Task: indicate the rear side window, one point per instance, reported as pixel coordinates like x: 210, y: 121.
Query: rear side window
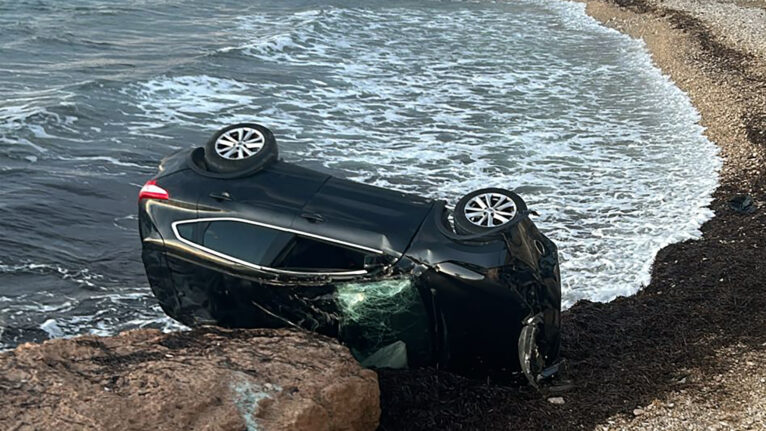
x: 304, y: 254
x: 244, y: 241
x: 274, y: 248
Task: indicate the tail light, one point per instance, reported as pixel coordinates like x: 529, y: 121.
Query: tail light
x: 151, y: 190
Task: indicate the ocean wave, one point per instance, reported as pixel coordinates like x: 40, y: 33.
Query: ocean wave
x: 31, y: 120
x: 107, y: 159
x: 81, y: 276
x: 276, y: 36
x: 100, y: 315
x: 98, y: 305
x: 31, y: 115
x: 185, y: 99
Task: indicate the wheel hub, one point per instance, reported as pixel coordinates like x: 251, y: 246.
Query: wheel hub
x: 490, y: 209
x: 239, y: 143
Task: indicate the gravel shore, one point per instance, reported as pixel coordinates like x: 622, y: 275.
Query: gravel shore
x: 687, y: 352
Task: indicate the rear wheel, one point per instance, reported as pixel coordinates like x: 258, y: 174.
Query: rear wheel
x: 487, y: 209
x: 240, y: 148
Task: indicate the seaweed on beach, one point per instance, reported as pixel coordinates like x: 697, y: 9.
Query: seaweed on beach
x: 727, y: 58
x: 638, y: 6
x: 755, y: 125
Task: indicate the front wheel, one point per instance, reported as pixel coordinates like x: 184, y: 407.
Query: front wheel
x: 240, y: 148
x: 487, y: 209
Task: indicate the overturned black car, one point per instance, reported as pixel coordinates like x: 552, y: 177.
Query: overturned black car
x: 234, y: 237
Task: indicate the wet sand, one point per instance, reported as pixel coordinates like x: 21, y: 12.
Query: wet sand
x: 689, y: 350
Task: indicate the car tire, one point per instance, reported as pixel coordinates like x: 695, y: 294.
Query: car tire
x: 486, y: 210
x: 244, y: 147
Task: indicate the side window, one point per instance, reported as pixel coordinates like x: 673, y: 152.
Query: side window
x: 306, y: 254
x: 276, y: 249
x: 244, y: 241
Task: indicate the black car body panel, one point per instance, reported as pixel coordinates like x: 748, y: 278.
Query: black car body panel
x: 369, y: 216
x: 381, y: 270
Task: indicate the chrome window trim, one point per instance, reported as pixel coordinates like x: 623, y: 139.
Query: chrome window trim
x: 175, y: 224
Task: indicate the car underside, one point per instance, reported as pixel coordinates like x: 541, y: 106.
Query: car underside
x: 250, y: 241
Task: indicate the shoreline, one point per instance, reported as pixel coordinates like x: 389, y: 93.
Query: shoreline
x: 686, y: 351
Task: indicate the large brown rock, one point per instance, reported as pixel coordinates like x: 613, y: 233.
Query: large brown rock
x: 208, y: 379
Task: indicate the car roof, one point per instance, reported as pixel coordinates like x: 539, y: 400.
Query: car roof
x: 365, y: 215
x: 371, y: 217
x: 368, y: 216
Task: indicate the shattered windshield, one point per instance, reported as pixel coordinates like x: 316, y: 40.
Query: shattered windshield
x: 384, y: 322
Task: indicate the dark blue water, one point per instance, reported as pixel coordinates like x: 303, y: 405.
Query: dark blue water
x: 432, y: 97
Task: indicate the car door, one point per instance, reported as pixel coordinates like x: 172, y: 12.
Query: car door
x: 272, y: 196
x: 253, y: 249
x: 248, y: 274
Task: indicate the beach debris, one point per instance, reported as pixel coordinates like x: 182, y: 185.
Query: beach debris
x: 742, y: 204
x: 638, y: 412
x: 556, y: 400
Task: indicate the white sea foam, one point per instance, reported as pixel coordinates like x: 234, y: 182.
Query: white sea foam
x: 16, y: 113
x: 532, y: 95
x: 82, y: 276
x: 105, y: 322
x: 106, y: 159
x: 52, y: 328
x: 108, y: 307
x: 184, y: 96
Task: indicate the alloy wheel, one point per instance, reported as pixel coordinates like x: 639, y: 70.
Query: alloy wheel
x: 490, y: 210
x: 240, y: 143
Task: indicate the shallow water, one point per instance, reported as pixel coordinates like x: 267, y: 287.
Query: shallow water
x: 437, y: 98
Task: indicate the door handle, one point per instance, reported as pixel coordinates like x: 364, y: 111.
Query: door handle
x: 313, y: 217
x: 225, y: 196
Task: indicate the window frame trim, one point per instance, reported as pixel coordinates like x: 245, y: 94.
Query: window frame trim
x: 174, y: 227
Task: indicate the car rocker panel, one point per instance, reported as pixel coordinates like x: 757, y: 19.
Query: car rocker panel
x: 233, y: 237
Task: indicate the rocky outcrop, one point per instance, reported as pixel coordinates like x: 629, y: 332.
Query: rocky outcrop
x: 208, y: 379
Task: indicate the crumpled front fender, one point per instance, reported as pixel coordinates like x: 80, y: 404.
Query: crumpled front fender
x: 532, y: 358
